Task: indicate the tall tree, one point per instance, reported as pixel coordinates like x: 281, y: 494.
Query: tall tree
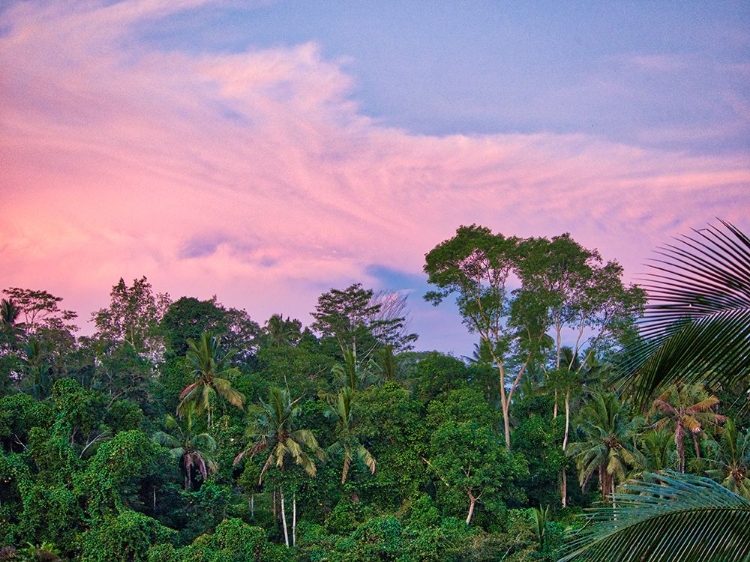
x: 210, y: 365
x: 132, y: 317
x: 36, y: 310
x: 359, y: 321
x: 272, y: 430
x: 562, y: 285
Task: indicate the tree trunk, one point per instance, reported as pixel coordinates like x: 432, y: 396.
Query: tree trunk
x: 564, y: 486
x: 294, y: 519
x: 252, y: 506
x: 554, y: 409
x: 283, y: 519
x: 504, y: 405
x: 472, y: 504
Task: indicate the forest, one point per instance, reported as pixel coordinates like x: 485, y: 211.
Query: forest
x: 595, y: 420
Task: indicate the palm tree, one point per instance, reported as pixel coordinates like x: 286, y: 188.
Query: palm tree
x: 608, y: 447
x: 347, y: 441
x: 687, y: 409
x: 193, y: 451
x: 283, y: 333
x: 672, y: 517
x: 272, y: 431
x: 657, y: 449
x: 210, y: 367
x: 731, y: 457
x: 9, y: 313
x: 38, y: 369
x: 697, y: 323
x: 352, y: 373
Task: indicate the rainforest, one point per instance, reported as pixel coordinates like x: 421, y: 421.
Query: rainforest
x: 595, y: 420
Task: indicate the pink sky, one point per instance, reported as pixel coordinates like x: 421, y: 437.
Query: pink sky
x: 255, y: 175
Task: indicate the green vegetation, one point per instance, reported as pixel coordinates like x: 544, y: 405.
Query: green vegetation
x: 183, y: 430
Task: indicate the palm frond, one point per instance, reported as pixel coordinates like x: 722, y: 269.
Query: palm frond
x: 697, y: 323
x: 672, y: 517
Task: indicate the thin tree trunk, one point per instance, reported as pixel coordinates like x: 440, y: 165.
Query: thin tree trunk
x: 252, y: 506
x: 294, y: 519
x: 283, y: 519
x: 554, y: 409
x: 472, y: 504
x: 564, y: 486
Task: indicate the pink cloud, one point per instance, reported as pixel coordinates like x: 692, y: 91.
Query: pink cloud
x: 254, y: 177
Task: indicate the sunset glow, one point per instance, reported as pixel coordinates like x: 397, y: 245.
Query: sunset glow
x: 264, y: 154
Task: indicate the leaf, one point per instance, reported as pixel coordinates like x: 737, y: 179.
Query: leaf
x: 672, y: 517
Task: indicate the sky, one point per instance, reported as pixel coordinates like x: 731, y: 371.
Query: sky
x: 266, y: 152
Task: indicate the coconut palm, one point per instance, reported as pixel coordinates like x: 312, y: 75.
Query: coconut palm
x: 608, y: 445
x: 657, y: 447
x: 697, y: 323
x: 686, y: 410
x: 672, y: 517
x: 272, y: 430
x: 38, y: 379
x: 193, y: 451
x: 731, y: 458
x: 347, y: 442
x: 211, y: 368
x: 9, y: 313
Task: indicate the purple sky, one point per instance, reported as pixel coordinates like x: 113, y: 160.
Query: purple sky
x: 268, y: 151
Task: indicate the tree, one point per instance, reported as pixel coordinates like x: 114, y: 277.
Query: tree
x: 359, y: 321
x: 608, y: 447
x: 211, y: 367
x: 283, y: 333
x: 37, y: 370
x: 687, y: 409
x: 40, y: 310
x: 731, y: 460
x: 187, y: 318
x: 273, y: 430
x: 697, y: 323
x: 347, y: 441
x: 132, y: 317
x: 671, y: 517
x: 9, y: 313
x: 193, y: 451
x: 471, y: 462
x: 562, y: 285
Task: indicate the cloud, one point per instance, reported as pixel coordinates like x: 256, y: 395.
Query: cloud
x: 253, y: 175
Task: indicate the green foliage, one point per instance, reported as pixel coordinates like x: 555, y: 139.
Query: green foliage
x: 730, y: 461
x: 233, y: 541
x: 211, y: 367
x: 125, y: 537
x: 607, y: 447
x: 19, y: 413
x: 116, y: 478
